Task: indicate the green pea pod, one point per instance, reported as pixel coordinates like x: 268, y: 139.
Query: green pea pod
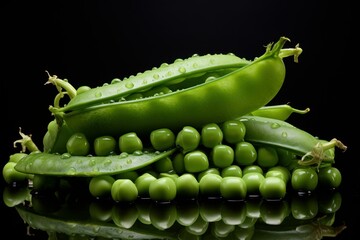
x: 281, y: 112
x: 281, y: 134
x: 176, y: 73
x: 232, y: 95
x: 67, y: 165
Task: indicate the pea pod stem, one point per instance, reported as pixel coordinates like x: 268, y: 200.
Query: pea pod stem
x: 26, y: 142
x: 61, y: 84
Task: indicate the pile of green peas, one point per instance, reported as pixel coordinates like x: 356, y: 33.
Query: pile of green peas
x: 214, y: 161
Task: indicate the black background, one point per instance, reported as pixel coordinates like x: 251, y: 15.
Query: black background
x: 92, y: 42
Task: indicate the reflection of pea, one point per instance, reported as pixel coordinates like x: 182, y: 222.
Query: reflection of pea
x: 162, y: 215
x: 233, y: 213
x: 14, y: 196
x: 304, y: 207
x: 329, y: 203
x: 274, y: 212
x: 187, y: 212
x: 124, y: 215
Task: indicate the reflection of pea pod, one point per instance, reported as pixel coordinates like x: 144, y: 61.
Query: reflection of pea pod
x: 67, y: 165
x: 90, y: 228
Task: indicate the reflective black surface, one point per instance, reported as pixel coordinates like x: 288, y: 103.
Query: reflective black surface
x: 92, y: 42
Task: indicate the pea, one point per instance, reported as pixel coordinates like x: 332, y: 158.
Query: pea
x: 130, y: 142
x: 329, y: 177
x: 233, y: 170
x: 233, y: 188
x: 178, y: 163
x: 196, y: 161
x: 209, y: 185
x: 124, y: 190
x: 17, y: 156
x: 187, y: 186
x: 304, y: 179
x: 252, y: 168
x: 267, y: 157
x: 78, y: 145
x: 162, y: 189
x: 245, y: 153
x: 162, y: 139
x: 272, y: 188
x: 10, y: 175
x: 207, y: 171
x: 100, y: 186
x: 233, y: 131
x: 104, y: 146
x: 188, y: 139
x: 211, y: 135
x: 142, y: 184
x: 222, y: 156
x: 164, y: 165
x: 279, y: 171
x: 253, y: 181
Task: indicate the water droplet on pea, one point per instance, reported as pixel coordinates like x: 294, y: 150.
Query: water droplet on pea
x: 129, y: 85
x: 195, y: 65
x: 129, y: 161
x: 178, y: 60
x: 98, y: 94
x: 138, y: 153
x: 115, y: 80
x: 210, y: 79
x: 28, y: 166
x: 156, y: 76
x: 164, y: 65
x: 182, y: 70
x: 284, y: 134
x: 65, y: 156
x: 275, y: 125
x: 92, y: 162
x: 168, y: 74
x: 123, y: 155
x: 72, y: 171
x: 107, y: 162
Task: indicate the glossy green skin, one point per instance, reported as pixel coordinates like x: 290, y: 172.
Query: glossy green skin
x: 165, y: 75
x: 233, y: 95
x: 67, y: 165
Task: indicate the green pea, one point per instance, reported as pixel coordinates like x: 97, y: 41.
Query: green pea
x: 245, y: 153
x: 142, y: 184
x: 187, y: 186
x: 304, y: 179
x: 233, y: 188
x: 10, y: 175
x: 178, y: 163
x: 233, y: 170
x: 267, y: 157
x: 124, y: 190
x: 209, y: 185
x: 16, y: 157
x: 130, y: 142
x: 188, y: 139
x: 222, y: 156
x: 207, y: 171
x: 253, y: 181
x: 329, y: 177
x: 252, y: 168
x: 211, y: 135
x: 104, y: 146
x: 162, y: 189
x: 272, y: 188
x: 162, y: 139
x: 164, y: 165
x: 233, y: 131
x: 78, y: 145
x: 100, y: 186
x: 279, y: 171
x: 196, y: 161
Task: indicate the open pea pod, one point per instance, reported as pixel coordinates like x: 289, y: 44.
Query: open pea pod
x: 87, y: 166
